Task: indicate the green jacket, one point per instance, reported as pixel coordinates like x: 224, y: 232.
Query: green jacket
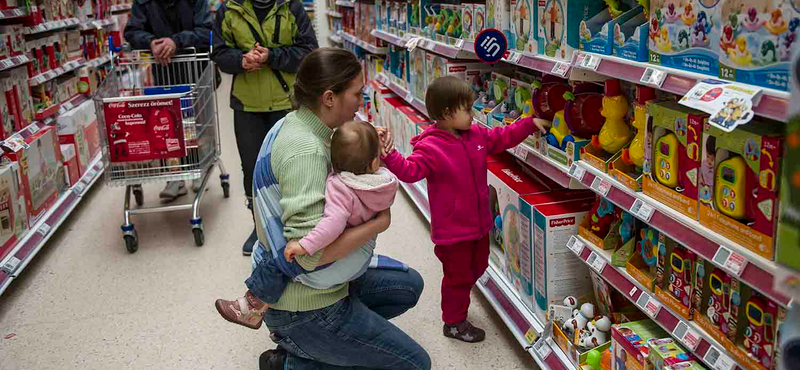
x: 286, y: 32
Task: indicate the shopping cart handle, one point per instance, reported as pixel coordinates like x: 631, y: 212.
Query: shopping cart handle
x: 117, y: 49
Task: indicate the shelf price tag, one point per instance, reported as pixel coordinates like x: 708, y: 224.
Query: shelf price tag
x: 718, y: 360
x: 601, y: 186
x: 410, y: 97
x: 633, y: 291
x: 642, y: 209
x: 7, y: 63
x: 577, y: 172
x: 591, y: 62
x: 731, y: 261
x: 484, y: 278
x: 412, y: 43
x: 459, y: 43
x: 44, y: 229
x: 688, y: 336
x: 11, y: 265
x: 542, y: 348
x: 575, y: 245
x: 80, y: 187
x: 596, y: 262
x: 652, y: 307
x: 653, y: 76
x: 560, y: 69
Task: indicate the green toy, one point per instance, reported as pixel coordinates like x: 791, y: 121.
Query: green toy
x: 454, y: 30
x: 616, y: 8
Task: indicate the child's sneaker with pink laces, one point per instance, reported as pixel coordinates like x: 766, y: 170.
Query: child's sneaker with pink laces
x: 246, y: 311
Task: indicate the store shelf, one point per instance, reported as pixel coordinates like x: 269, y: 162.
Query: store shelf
x: 12, y: 62
x: 388, y: 37
x: 121, y: 7
x: 403, y: 94
x: 96, y: 62
x: 334, y: 14
x: 53, y: 73
x: 13, y: 13
x: 38, y: 235
x: 52, y: 26
x: 91, y: 25
x: 462, y: 50
x: 46, y: 115
x: 550, y: 168
x: 773, y: 104
x: 335, y: 38
x: 692, y: 336
x: 370, y: 48
x: 757, y: 272
x: 345, y: 3
x: 419, y: 197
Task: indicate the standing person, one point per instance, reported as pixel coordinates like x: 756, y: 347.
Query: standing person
x: 450, y: 155
x: 347, y: 324
x: 264, y: 61
x: 164, y: 27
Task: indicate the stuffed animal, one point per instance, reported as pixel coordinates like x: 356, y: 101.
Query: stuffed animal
x: 571, y: 302
x: 596, y: 332
x: 579, y: 319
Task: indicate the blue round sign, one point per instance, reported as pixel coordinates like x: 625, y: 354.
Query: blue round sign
x: 490, y: 45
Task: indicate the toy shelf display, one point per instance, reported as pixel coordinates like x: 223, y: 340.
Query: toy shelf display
x: 53, y: 56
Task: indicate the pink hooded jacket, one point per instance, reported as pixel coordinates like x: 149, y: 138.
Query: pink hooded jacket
x: 350, y: 200
x: 456, y: 171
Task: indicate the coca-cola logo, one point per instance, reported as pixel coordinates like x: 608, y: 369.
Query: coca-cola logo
x: 161, y: 127
x: 117, y: 105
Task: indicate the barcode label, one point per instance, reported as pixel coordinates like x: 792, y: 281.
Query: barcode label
x: 642, y: 210
x: 601, y: 186
x: 11, y: 265
x: 560, y: 69
x: 542, y: 348
x: 577, y: 172
x: 643, y: 299
x: 731, y: 261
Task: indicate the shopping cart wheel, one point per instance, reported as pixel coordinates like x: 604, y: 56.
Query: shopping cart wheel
x: 131, y: 243
x: 199, y: 237
x: 138, y: 193
x: 226, y: 190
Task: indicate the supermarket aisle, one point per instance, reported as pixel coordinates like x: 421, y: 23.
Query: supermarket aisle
x: 85, y: 303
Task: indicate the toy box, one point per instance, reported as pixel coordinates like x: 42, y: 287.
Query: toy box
x: 559, y: 22
x: 507, y: 182
x: 37, y: 150
x: 756, y: 40
x: 480, y: 18
x: 672, y: 164
x: 402, y: 18
x: 455, y: 28
x: 72, y: 173
x: 597, y: 33
x: 79, y: 127
x: 675, y: 274
x: 498, y: 14
x: 499, y: 94
x: 665, y: 352
x: 630, y: 344
x: 557, y: 271
x: 739, y: 184
x: 642, y: 265
x: 631, y: 36
x: 683, y: 34
x: 523, y: 27
x: 575, y: 354
x: 623, y: 239
x: 13, y: 218
x: 468, y: 21
x: 686, y: 365
x: 787, y: 247
x: 411, y: 119
x: 418, y: 74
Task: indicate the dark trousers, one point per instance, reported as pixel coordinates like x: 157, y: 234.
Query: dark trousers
x: 251, y: 128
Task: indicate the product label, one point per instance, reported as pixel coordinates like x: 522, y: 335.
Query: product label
x: 141, y: 130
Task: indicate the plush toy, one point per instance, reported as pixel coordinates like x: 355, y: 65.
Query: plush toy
x: 596, y: 332
x: 602, y: 216
x: 626, y: 227
x: 571, y: 302
x: 579, y: 319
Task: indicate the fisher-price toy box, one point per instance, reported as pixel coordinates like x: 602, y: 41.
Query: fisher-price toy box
x: 418, y: 76
x: 498, y: 14
x: 683, y: 34
x: 410, y: 119
x: 13, y: 215
x: 480, y: 18
x: 523, y: 26
x: 558, y: 30
x: 672, y: 164
x: 507, y: 182
x: 468, y: 21
x: 739, y: 184
x: 557, y: 271
x: 629, y: 341
x: 37, y: 150
x: 598, y: 33
x: 756, y: 40
x: 631, y: 36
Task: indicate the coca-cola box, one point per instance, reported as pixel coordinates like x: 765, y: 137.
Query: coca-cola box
x: 144, y: 128
x: 79, y: 127
x: 13, y: 220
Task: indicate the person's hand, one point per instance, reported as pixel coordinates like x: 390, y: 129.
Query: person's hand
x: 292, y: 250
x: 164, y: 50
x: 383, y: 220
x: 156, y: 46
x: 387, y: 142
x: 542, y: 124
x: 263, y: 53
x: 250, y: 61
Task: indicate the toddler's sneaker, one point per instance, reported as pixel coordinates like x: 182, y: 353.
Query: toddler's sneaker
x: 246, y: 311
x: 464, y: 331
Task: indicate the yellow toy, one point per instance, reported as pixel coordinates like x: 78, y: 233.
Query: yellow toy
x: 662, y: 40
x: 615, y: 134
x: 635, y: 153
x: 665, y: 160
x: 688, y: 17
x: 776, y: 25
x: 730, y: 190
x: 739, y: 54
x: 559, y: 130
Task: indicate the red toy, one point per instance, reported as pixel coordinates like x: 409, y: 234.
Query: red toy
x: 602, y: 216
x: 680, y: 280
x: 582, y: 110
x: 548, y: 96
x: 759, y: 334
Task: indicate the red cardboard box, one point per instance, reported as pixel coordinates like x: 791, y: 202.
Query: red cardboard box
x: 72, y: 173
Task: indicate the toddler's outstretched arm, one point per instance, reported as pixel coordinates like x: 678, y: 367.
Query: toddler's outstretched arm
x: 501, y: 138
x: 417, y: 166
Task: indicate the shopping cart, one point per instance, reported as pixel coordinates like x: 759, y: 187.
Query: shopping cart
x: 158, y: 124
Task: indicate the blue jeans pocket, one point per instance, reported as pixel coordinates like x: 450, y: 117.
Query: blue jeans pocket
x: 290, y: 346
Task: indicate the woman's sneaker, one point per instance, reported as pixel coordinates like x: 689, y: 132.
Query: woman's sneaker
x: 246, y: 311
x: 464, y: 331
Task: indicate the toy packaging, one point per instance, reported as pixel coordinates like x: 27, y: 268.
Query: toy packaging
x: 631, y: 351
x: 480, y: 18
x: 582, y: 333
x: 597, y: 33
x: 497, y: 95
x: 559, y: 23
x: 498, y: 16
x: 683, y: 34
x: 615, y: 134
x: 79, y: 127
x: 13, y: 219
x: 631, y: 36
x: 628, y: 167
x: 411, y: 120
x: 418, y: 74
x: 675, y: 276
x: 642, y: 264
x: 602, y: 218
x: 72, y: 173
x: 468, y: 21
x: 787, y: 245
x: 573, y: 126
x: 665, y: 352
x: 739, y: 184
x: 756, y: 40
x: 672, y: 164
x: 42, y: 169
x: 523, y: 27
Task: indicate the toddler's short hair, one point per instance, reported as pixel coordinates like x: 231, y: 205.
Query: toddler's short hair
x: 446, y: 95
x: 354, y: 146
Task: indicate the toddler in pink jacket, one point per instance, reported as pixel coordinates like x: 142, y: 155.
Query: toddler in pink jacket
x: 452, y: 156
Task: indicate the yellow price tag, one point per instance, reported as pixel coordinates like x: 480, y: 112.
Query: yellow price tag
x: 530, y: 335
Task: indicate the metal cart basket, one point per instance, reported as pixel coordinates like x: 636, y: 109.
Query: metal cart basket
x: 146, y: 98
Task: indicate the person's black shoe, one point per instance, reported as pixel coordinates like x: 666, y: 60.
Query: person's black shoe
x: 247, y: 248
x: 273, y: 359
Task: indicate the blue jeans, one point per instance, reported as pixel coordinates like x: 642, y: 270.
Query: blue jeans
x: 355, y: 333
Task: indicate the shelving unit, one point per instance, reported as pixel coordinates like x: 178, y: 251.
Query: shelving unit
x: 53, y: 73
x: 52, y: 26
x: 355, y: 40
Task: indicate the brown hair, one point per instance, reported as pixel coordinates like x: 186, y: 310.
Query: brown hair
x: 446, y: 95
x: 354, y: 146
x: 321, y: 70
